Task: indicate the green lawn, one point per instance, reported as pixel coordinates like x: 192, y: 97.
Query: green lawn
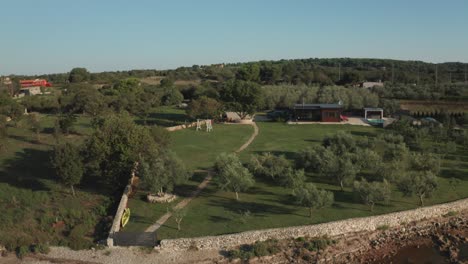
x: 32, y: 201
x: 198, y: 150
x: 267, y: 205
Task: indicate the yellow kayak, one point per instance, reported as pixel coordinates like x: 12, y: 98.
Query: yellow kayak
x: 125, y: 216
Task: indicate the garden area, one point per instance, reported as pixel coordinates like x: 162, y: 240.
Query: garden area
x: 198, y: 150
x: 268, y: 205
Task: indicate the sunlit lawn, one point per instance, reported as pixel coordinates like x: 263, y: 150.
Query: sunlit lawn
x: 267, y: 205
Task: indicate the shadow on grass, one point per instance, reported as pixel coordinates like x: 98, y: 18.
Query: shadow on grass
x: 28, y: 140
x: 258, y: 209
x: 26, y: 169
x: 218, y: 219
x: 363, y: 134
x: 454, y: 173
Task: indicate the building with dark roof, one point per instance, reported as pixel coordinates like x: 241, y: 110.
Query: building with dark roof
x: 317, y: 112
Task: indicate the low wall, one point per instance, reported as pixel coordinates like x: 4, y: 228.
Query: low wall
x: 118, y: 215
x: 175, y: 128
x: 331, y: 229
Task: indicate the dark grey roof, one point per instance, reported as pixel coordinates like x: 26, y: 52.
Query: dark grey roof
x: 317, y: 106
x: 373, y: 109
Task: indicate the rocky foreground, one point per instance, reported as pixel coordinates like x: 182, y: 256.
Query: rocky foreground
x: 436, y: 240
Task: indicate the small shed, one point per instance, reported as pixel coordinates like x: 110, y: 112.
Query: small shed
x: 373, y: 113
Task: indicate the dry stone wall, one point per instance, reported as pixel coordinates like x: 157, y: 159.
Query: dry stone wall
x: 331, y: 229
x: 118, y: 215
x: 175, y: 128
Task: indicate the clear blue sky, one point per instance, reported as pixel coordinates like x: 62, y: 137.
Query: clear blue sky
x: 49, y: 36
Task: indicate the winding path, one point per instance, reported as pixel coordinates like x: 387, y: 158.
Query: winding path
x: 200, y: 187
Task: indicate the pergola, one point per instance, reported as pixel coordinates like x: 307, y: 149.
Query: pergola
x: 372, y: 112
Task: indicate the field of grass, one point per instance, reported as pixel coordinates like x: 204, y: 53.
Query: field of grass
x: 267, y: 205
x: 198, y: 149
x: 35, y: 208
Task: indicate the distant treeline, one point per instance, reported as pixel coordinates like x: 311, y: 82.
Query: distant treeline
x: 341, y: 71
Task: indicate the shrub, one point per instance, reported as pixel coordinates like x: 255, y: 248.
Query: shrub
x: 41, y: 248
x: 318, y: 244
x: 383, y: 227
x: 451, y: 213
x: 22, y: 251
x: 259, y: 249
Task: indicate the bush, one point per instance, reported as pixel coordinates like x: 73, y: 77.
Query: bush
x: 22, y: 251
x: 41, y: 248
x: 259, y: 249
x: 318, y: 244
x: 383, y: 227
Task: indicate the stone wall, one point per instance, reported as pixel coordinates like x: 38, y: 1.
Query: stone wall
x: 118, y: 215
x: 331, y: 229
x: 175, y: 128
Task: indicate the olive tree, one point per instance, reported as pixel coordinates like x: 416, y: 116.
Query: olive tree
x: 422, y: 184
x: 309, y: 196
x: 372, y: 192
x: 231, y: 175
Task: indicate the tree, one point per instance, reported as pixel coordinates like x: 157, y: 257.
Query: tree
x: 425, y: 162
x: 421, y: 184
x: 10, y: 107
x: 242, y: 97
x: 172, y: 96
x: 309, y: 196
x: 3, y: 132
x: 339, y: 168
x: 34, y: 124
x: 114, y: 147
x: 292, y: 178
x: 277, y: 168
x: 310, y: 158
x: 161, y: 173
x: 178, y: 214
x: 83, y: 98
x: 346, y: 172
x: 161, y: 136
x: 372, y: 192
x: 78, y: 75
x: 68, y: 165
x: 232, y: 175
x: 66, y: 121
x: 249, y: 72
x: 268, y: 165
x: 205, y: 107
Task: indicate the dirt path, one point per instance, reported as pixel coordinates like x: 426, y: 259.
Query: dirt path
x: 182, y: 203
x: 251, y: 139
x: 200, y: 187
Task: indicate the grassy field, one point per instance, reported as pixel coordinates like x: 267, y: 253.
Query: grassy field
x: 267, y: 205
x: 198, y: 149
x: 35, y: 208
